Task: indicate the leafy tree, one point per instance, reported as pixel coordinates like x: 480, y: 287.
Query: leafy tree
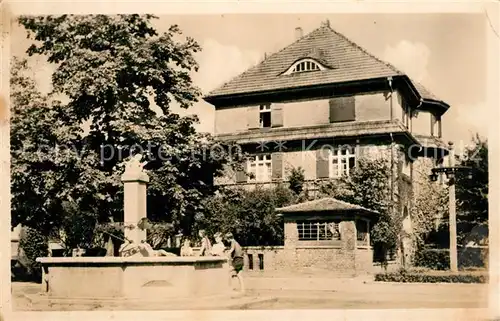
x: 249, y: 214
x: 43, y: 176
x: 369, y: 186
x: 472, y: 194
x: 430, y: 202
x: 119, y: 75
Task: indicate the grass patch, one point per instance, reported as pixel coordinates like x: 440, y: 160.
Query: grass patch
x: 430, y: 276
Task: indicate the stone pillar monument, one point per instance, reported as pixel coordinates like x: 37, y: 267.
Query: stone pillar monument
x: 134, y: 199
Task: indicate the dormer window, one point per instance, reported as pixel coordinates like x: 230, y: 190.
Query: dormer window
x: 304, y: 65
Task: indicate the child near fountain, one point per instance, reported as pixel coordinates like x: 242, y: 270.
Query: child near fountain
x: 236, y: 255
x: 206, y: 245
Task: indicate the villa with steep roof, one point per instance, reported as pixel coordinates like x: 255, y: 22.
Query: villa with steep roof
x: 325, y: 90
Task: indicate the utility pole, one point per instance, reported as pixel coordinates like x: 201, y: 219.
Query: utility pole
x: 451, y: 172
x: 452, y: 213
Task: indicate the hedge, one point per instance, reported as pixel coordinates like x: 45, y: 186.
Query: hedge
x: 412, y: 277
x: 439, y: 259
x: 435, y: 259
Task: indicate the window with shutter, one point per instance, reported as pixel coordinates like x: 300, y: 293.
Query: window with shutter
x: 260, y: 167
x: 265, y: 116
x: 342, y: 161
x: 342, y: 109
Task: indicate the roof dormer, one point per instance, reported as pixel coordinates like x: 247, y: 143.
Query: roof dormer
x: 304, y: 65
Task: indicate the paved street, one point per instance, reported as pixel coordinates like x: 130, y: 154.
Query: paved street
x: 295, y: 293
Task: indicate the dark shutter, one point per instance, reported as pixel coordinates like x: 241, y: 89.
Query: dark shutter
x: 253, y: 117
x: 277, y: 166
x: 342, y: 109
x: 277, y: 115
x: 241, y: 176
x: 322, y: 163
x: 207, y: 175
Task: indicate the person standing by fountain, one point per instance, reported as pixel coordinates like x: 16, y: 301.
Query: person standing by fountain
x: 206, y: 245
x: 186, y: 249
x: 219, y: 247
x: 236, y: 255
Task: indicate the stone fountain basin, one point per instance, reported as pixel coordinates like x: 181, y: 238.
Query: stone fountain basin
x: 135, y: 277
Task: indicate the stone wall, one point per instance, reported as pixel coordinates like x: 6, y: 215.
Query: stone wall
x: 364, y: 260
x: 266, y: 258
x: 312, y: 258
x: 344, y: 259
x: 326, y: 258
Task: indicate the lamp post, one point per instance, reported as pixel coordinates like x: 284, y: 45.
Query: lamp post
x: 450, y: 173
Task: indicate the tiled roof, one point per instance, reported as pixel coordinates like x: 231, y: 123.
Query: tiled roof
x: 346, y: 61
x: 327, y: 204
x: 430, y: 141
x: 424, y: 92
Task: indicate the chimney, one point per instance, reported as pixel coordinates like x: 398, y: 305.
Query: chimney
x: 298, y: 33
x: 325, y: 23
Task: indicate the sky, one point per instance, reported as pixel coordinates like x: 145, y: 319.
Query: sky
x: 445, y: 52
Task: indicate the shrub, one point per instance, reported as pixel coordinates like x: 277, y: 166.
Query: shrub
x: 95, y: 251
x: 470, y: 257
x: 33, y: 244
x: 411, y: 277
x: 296, y: 180
x: 435, y: 259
